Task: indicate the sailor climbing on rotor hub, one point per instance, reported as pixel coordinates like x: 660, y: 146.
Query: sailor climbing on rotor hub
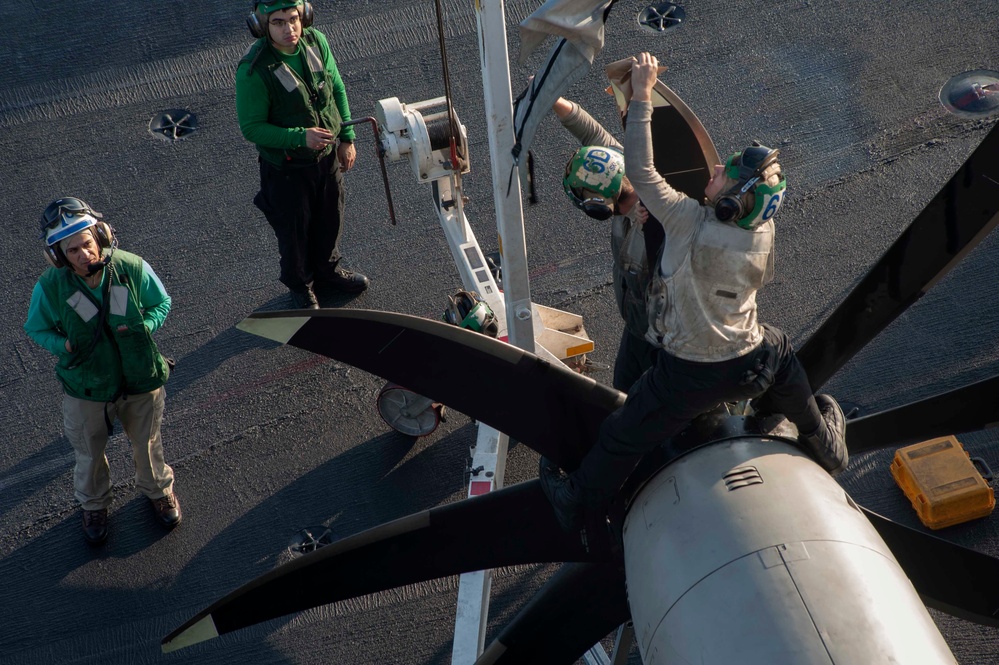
x: 702, y: 314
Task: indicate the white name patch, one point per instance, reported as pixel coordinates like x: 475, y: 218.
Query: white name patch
x: 82, y: 306
x: 119, y: 300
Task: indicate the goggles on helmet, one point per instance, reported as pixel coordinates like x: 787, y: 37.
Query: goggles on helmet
x: 66, y: 217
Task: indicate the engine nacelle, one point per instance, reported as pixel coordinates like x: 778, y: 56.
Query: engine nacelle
x: 746, y: 551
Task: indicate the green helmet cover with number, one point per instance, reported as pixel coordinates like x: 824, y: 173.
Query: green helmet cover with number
x: 745, y: 168
x: 594, y: 168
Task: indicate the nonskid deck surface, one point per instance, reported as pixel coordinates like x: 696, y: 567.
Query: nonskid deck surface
x: 268, y: 441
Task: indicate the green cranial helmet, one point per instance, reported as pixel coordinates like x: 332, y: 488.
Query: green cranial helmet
x: 275, y: 5
x: 751, y: 201
x: 593, y: 180
x: 257, y: 20
x: 466, y: 309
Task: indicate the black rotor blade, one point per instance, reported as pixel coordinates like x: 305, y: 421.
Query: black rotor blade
x: 948, y: 577
x: 511, y: 526
x: 967, y: 409
x: 575, y: 609
x: 951, y: 225
x: 546, y: 406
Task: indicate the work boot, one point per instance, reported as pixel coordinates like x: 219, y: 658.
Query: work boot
x: 827, y: 444
x: 304, y: 298
x: 167, y: 510
x: 344, y: 280
x: 562, y: 493
x: 95, y: 526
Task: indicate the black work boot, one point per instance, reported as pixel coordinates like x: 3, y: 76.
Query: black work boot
x: 95, y: 526
x: 304, y: 298
x: 827, y: 444
x: 346, y: 281
x: 562, y: 493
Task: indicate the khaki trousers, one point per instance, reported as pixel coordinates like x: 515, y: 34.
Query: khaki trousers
x: 86, y: 429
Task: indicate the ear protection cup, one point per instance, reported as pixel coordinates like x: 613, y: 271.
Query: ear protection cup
x: 54, y: 256
x: 746, y: 168
x: 103, y: 234
x: 597, y: 209
x: 729, y: 207
x: 257, y: 21
x: 594, y: 206
x: 257, y: 27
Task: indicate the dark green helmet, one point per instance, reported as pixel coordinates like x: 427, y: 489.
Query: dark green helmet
x: 257, y: 20
x: 275, y: 5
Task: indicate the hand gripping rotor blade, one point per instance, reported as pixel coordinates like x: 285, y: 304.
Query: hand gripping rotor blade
x: 948, y: 577
x: 546, y: 406
x: 967, y: 409
x: 575, y: 609
x: 950, y: 226
x: 507, y: 527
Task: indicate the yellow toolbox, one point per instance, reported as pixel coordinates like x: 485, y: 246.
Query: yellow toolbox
x: 942, y: 482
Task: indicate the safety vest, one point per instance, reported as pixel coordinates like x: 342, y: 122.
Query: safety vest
x: 630, y: 273
x: 124, y: 358
x: 705, y: 310
x: 296, y: 102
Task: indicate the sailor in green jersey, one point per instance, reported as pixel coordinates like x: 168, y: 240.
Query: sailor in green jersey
x: 95, y: 309
x: 292, y: 103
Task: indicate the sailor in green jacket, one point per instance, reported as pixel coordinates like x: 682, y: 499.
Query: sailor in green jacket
x: 95, y: 309
x: 292, y: 103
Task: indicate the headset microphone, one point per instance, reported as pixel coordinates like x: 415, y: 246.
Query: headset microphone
x: 112, y: 245
x: 97, y: 266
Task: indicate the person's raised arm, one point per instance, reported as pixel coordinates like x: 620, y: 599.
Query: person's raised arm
x: 562, y: 108
x: 582, y: 125
x: 644, y: 71
x: 674, y: 210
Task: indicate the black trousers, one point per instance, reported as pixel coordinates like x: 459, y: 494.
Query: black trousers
x: 675, y: 391
x: 634, y: 356
x: 304, y: 205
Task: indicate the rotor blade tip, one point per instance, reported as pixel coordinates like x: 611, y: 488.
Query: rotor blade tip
x: 200, y: 631
x: 279, y: 329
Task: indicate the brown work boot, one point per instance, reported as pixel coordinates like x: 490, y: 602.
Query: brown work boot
x: 167, y: 510
x: 827, y: 444
x: 95, y: 526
